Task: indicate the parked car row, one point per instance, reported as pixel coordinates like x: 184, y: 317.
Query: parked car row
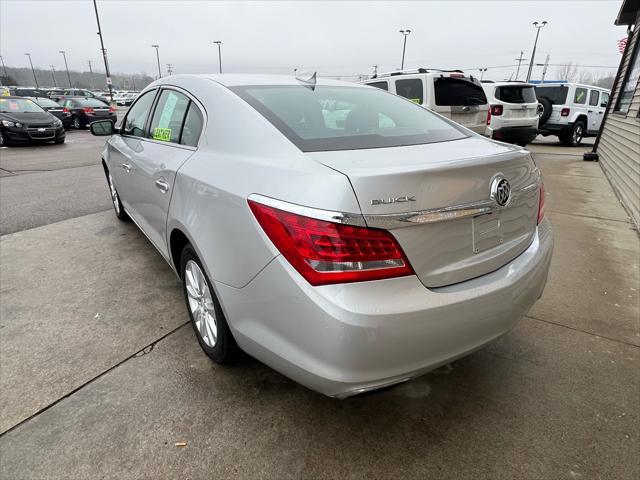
x: 513, y: 112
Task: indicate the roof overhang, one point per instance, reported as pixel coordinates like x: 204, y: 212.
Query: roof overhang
x: 628, y: 12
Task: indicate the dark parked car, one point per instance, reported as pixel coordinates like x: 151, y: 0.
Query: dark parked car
x: 24, y: 121
x: 87, y: 110
x: 58, y: 94
x: 26, y: 92
x: 57, y: 110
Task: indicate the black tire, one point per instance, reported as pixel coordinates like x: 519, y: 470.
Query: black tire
x: 3, y: 142
x: 225, y: 349
x: 574, y: 137
x: 77, y: 123
x: 58, y: 142
x: 547, y: 106
x: 523, y: 144
x: 118, y: 208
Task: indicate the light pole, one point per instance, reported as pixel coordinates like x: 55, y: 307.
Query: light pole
x: 219, y: 43
x: 104, y: 52
x: 64, y: 55
x: 538, y: 26
x: 482, y: 70
x: 157, y: 47
x: 32, y: 69
x: 405, y: 34
x: 53, y: 75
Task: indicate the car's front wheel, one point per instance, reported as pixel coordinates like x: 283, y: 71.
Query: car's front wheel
x: 205, y: 312
x: 574, y: 137
x: 115, y: 199
x: 3, y: 142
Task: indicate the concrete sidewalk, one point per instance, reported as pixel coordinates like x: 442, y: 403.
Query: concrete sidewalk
x: 100, y: 376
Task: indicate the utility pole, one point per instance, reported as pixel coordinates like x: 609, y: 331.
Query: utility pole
x: 538, y: 26
x: 169, y: 69
x: 520, y: 59
x: 133, y: 80
x: 544, y: 70
x: 4, y: 67
x: 157, y: 47
x: 91, y: 73
x: 405, y: 34
x: 32, y: 69
x: 53, y: 75
x: 219, y: 43
x: 104, y: 52
x: 482, y: 70
x: 64, y: 55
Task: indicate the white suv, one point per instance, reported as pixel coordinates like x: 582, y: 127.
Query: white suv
x: 513, y: 112
x: 450, y: 93
x: 571, y: 111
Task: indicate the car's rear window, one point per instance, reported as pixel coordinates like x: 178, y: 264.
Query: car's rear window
x: 89, y: 102
x: 516, y: 94
x: 458, y: 92
x: 556, y: 95
x: 46, y: 102
x: 328, y: 118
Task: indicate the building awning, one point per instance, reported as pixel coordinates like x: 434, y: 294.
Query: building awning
x: 628, y: 12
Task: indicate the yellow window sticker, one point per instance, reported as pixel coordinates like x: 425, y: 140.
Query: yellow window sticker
x: 415, y: 100
x: 163, y: 134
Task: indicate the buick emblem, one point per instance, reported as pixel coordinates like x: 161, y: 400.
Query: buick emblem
x: 501, y: 190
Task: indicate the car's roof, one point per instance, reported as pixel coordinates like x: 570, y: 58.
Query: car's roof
x: 246, y: 79
x: 569, y: 84
x: 509, y: 84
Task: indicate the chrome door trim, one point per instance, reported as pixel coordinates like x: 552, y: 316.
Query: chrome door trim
x: 400, y: 220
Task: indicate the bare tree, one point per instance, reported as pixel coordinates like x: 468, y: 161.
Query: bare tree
x: 567, y: 72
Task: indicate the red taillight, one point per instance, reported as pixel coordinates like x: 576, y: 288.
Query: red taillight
x: 65, y: 110
x: 541, y: 206
x: 88, y: 110
x: 496, y: 110
x: 565, y: 112
x: 326, y: 252
x: 112, y: 108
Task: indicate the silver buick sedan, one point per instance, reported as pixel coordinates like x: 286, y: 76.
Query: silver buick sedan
x: 340, y: 234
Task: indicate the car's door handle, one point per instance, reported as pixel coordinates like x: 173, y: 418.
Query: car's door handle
x: 127, y: 167
x: 162, y: 185
x: 589, y: 111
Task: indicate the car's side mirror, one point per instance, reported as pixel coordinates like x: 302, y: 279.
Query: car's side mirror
x: 102, y: 128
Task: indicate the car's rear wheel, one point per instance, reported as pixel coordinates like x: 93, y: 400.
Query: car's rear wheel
x: 115, y: 199
x: 574, y: 137
x: 205, y: 312
x: 77, y: 123
x: 3, y: 142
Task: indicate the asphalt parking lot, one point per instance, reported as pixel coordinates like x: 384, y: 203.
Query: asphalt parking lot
x: 101, y: 376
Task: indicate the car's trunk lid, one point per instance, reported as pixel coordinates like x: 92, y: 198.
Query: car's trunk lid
x: 465, y: 234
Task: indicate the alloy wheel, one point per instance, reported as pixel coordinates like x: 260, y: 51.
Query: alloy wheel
x: 201, y: 303
x: 577, y: 134
x: 76, y: 123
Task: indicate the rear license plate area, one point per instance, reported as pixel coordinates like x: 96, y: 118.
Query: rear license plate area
x: 486, y: 232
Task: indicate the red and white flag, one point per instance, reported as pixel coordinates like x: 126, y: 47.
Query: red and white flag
x: 622, y: 44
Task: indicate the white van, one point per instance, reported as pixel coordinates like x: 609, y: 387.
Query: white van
x: 571, y: 111
x: 452, y: 94
x: 513, y: 111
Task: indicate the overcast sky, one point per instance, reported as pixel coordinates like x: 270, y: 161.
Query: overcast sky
x: 332, y: 37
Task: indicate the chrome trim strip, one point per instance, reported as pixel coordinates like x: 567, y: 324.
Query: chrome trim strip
x: 453, y: 212
x: 399, y: 220
x: 355, y: 219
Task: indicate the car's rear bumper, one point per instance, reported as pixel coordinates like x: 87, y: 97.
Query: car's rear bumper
x: 514, y: 134
x: 344, y: 339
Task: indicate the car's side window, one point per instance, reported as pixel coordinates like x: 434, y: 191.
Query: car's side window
x: 384, y: 85
x: 411, y: 89
x: 604, y: 99
x: 134, y: 122
x: 192, y: 126
x: 169, y: 116
x: 593, y: 97
x: 581, y: 96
